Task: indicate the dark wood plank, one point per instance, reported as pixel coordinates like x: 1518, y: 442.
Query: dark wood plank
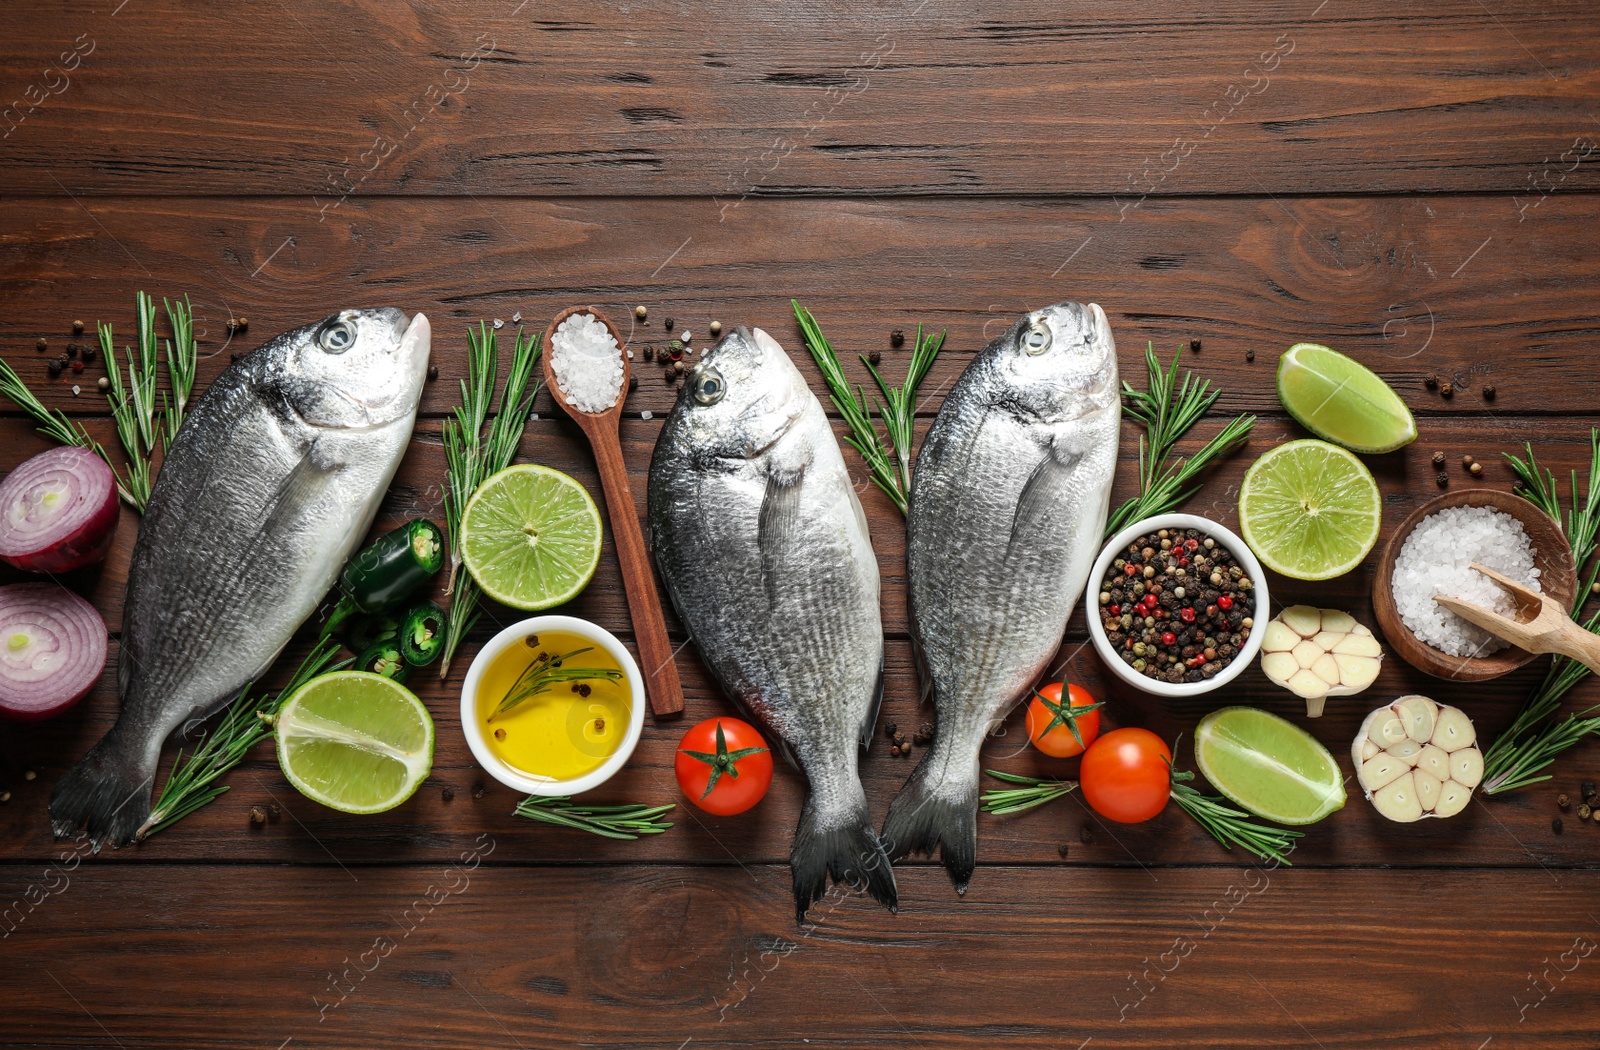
x: 349, y: 101
x: 1462, y: 288
x: 666, y: 956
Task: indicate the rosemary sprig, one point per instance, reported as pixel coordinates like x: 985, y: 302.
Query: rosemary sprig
x: 888, y: 456
x: 192, y: 782
x: 471, y: 455
x: 55, y: 425
x: 1033, y: 792
x: 1536, y: 737
x: 545, y: 673
x: 1167, y: 410
x: 141, y: 426
x: 1233, y: 827
x: 612, y: 822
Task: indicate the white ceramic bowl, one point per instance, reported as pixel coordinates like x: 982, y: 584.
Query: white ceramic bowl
x: 1241, y: 553
x: 513, y: 635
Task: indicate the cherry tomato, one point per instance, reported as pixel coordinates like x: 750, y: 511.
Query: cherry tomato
x: 723, y: 766
x: 1125, y: 775
x: 1048, y: 723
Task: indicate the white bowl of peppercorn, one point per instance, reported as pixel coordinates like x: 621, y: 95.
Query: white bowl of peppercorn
x: 1173, y: 602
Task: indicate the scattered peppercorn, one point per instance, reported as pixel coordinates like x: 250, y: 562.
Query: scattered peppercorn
x: 640, y: 312
x: 1249, y: 355
x: 499, y: 734
x: 716, y: 328
x: 1447, y: 390
x: 258, y: 816
x: 77, y: 366
x: 1061, y: 851
x: 433, y: 372
x: 5, y: 796
x: 897, y: 338
x: 1085, y: 834
x: 77, y: 328
x: 30, y: 775
x: 448, y: 793
x: 43, y: 343
x: 1194, y: 346
x: 1488, y: 393
x: 1438, y: 459
x: 633, y: 381
x: 1586, y: 789
x: 244, y: 322
x: 1563, y: 801
x: 875, y: 357
x: 274, y: 811
x: 1431, y: 381
x: 669, y: 375
x: 668, y: 324
x: 103, y: 383
x: 55, y: 368
x: 88, y: 355
x: 1584, y: 811
x: 477, y: 790
x: 599, y: 725
x: 231, y: 324
x: 894, y: 749
x: 905, y: 747
x: 649, y: 353
x: 72, y: 349
x: 1476, y: 469
x: 1466, y: 461
x: 234, y: 358
x: 1555, y: 825
x: 1443, y: 479
x: 677, y: 367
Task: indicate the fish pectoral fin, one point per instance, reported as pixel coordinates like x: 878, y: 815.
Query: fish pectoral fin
x: 775, y: 526
x: 871, y: 721
x: 1043, y: 494
x: 306, y: 484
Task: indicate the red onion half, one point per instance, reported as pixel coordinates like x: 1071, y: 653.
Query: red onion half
x: 52, y: 649
x: 58, y: 511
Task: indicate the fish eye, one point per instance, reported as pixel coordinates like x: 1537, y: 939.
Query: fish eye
x: 1036, y: 340
x: 709, y: 386
x: 337, y: 337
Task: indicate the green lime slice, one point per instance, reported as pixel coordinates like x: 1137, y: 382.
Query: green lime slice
x: 1268, y: 765
x: 355, y: 742
x: 1310, y: 510
x: 530, y: 536
x: 1341, y: 400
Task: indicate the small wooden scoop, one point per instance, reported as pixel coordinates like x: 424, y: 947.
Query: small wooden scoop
x: 649, y: 627
x: 1542, y: 624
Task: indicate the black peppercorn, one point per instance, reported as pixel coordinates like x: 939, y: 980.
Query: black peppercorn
x: 1085, y: 834
x: 1587, y: 790
x: 633, y: 381
x: 1555, y: 825
x: 875, y: 357
x: 433, y: 372
x: 1431, y: 381
x: 897, y: 338
x: 77, y: 328
x: 1488, y: 393
x: 1443, y: 479
x: 1061, y: 851
x: 1194, y: 346
x: 1563, y: 801
x: 1249, y: 355
x: 668, y: 323
x: 43, y: 343
x: 55, y: 368
x: 87, y: 355
x: 477, y: 790
x: 1438, y: 459
x: 72, y: 349
x: 447, y: 793
x: 649, y: 353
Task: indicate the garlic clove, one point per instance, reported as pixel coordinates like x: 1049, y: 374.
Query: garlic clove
x: 1384, y: 769
x: 1339, y: 622
x: 1279, y: 667
x: 1387, y: 730
x: 1356, y: 672
x: 1434, y: 760
x: 1453, y: 798
x: 1369, y: 750
x: 1454, y: 730
x: 1428, y: 787
x: 1398, y: 800
x: 1466, y: 767
x: 1278, y: 638
x: 1419, y: 714
x: 1304, y: 620
x: 1359, y: 645
x: 1306, y: 653
x: 1326, y: 669
x: 1408, y: 751
x: 1307, y: 685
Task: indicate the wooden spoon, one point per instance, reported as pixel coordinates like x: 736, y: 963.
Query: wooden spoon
x: 644, y: 604
x: 1542, y: 624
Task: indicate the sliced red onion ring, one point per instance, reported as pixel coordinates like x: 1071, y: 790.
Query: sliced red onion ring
x: 58, y: 511
x: 52, y: 649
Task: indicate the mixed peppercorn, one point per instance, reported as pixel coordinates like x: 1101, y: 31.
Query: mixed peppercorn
x: 1175, y: 606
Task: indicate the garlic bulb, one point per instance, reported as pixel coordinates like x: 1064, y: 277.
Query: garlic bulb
x: 1318, y: 653
x: 1417, y: 758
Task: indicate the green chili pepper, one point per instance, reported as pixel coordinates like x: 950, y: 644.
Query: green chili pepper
x: 422, y: 634
x: 367, y: 631
x: 384, y: 659
x: 383, y: 575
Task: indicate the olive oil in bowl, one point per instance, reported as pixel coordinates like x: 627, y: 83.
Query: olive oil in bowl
x: 554, y: 707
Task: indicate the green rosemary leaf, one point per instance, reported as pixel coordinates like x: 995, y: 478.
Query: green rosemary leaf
x: 612, y: 822
x: 1033, y: 792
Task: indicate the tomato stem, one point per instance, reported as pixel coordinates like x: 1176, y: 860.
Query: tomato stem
x: 724, y: 761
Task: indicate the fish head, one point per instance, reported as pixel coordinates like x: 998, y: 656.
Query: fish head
x: 741, y: 397
x: 352, y: 370
x: 1057, y: 358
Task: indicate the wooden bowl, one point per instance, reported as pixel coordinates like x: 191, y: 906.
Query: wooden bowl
x: 1558, y: 576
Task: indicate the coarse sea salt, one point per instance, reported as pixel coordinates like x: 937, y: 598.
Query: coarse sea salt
x: 587, y: 362
x: 1437, y: 559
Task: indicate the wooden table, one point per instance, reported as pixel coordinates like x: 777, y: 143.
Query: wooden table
x: 1414, y: 185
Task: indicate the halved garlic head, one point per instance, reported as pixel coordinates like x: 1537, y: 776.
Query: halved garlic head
x: 1318, y: 653
x: 1416, y: 758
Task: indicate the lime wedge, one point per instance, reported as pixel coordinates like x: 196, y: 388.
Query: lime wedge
x: 1341, y: 400
x: 530, y: 536
x: 1310, y: 510
x: 1268, y: 765
x: 355, y: 742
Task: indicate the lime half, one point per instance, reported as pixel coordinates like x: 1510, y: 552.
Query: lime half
x: 355, y: 742
x: 1341, y: 400
x: 530, y: 536
x: 1268, y: 765
x: 1310, y: 510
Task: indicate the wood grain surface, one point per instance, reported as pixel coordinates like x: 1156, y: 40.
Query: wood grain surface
x: 1414, y: 186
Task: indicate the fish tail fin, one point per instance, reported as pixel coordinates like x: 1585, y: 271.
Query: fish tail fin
x: 844, y: 846
x: 109, y: 791
x: 938, y: 806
